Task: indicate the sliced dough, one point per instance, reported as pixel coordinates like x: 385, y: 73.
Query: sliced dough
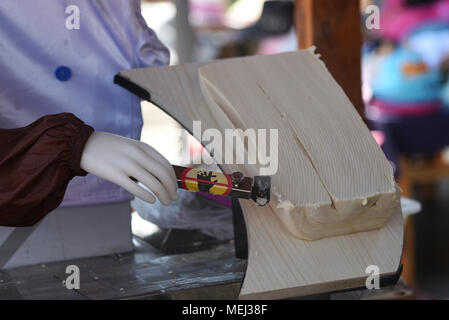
x: 333, y: 178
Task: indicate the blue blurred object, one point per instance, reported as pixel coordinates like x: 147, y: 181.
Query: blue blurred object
x: 430, y: 27
x: 404, y: 77
x: 431, y: 41
x: 408, y: 85
x: 445, y: 96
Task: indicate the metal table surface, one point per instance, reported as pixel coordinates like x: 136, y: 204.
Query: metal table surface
x: 213, y: 274
x: 145, y: 274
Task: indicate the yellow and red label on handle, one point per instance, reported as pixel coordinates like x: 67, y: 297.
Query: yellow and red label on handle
x: 204, y: 181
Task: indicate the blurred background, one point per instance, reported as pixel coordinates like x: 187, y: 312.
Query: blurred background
x: 396, y: 75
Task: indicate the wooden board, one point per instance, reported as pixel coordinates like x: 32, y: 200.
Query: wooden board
x: 279, y: 265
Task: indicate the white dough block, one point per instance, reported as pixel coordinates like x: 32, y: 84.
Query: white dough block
x: 333, y: 178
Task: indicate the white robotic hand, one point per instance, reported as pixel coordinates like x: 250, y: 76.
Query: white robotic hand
x: 119, y: 159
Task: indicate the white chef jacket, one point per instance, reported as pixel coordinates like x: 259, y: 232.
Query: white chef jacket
x: 48, y: 65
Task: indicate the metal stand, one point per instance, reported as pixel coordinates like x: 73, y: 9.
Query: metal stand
x: 240, y: 235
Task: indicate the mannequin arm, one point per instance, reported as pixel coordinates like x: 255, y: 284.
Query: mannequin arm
x: 117, y: 159
x: 36, y: 164
x: 38, y: 161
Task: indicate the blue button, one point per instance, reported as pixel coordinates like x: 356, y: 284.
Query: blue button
x: 63, y: 73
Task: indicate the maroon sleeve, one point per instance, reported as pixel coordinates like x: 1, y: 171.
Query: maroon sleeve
x: 36, y: 164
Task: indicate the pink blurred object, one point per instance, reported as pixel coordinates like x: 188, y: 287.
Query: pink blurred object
x: 272, y: 45
x: 397, y: 20
x: 378, y: 108
x: 207, y: 13
x: 379, y: 136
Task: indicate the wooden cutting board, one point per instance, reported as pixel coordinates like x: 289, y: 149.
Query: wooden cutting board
x: 279, y: 264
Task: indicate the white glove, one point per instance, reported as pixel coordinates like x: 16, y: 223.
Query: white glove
x: 116, y: 159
